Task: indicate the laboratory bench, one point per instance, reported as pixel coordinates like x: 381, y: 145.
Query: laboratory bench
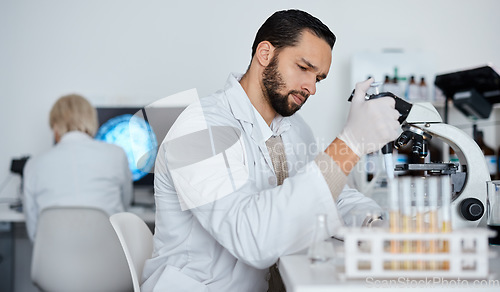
x: 299, y: 275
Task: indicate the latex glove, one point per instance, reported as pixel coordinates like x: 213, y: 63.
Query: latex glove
x: 379, y: 224
x: 371, y: 123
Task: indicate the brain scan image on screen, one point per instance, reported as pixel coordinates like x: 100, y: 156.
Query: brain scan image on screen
x: 136, y: 137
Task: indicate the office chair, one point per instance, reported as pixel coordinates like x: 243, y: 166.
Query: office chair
x: 76, y: 249
x: 136, y: 240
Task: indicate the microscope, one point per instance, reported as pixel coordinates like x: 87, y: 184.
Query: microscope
x: 468, y: 183
x: 473, y: 92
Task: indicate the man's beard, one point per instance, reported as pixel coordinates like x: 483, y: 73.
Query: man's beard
x: 273, y: 83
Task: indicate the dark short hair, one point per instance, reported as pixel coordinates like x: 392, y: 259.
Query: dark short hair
x: 284, y: 29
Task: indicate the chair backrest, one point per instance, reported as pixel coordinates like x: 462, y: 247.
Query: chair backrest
x: 76, y: 249
x: 136, y: 240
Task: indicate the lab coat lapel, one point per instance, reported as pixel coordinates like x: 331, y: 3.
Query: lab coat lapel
x: 252, y: 122
x: 261, y: 143
x: 255, y: 130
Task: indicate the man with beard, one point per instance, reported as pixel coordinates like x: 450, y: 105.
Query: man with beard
x: 239, y: 178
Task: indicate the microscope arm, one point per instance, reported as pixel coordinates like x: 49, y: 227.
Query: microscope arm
x: 466, y: 211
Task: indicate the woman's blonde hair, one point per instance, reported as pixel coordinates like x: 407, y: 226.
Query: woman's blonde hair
x: 73, y: 113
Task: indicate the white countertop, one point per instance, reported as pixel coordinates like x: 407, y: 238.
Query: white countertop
x: 299, y: 275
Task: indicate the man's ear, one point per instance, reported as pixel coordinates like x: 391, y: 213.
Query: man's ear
x: 264, y: 53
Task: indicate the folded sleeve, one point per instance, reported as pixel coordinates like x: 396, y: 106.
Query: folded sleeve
x: 334, y: 176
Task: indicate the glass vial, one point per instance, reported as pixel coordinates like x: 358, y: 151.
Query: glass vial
x: 321, y: 249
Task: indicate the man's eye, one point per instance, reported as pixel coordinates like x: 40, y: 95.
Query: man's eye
x: 302, y: 68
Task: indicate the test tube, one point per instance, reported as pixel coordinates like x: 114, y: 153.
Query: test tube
x: 432, y: 184
x: 407, y: 218
x: 419, y: 222
x: 394, y: 219
x: 446, y: 215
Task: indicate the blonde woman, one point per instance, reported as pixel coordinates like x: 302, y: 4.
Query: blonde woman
x: 78, y: 170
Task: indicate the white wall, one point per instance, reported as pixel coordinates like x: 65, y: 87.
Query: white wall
x: 135, y: 52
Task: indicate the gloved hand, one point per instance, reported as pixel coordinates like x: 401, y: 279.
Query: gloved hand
x: 379, y: 224
x: 371, y: 123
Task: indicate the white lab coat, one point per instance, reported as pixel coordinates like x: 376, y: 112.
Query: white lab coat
x: 221, y: 219
x: 77, y: 171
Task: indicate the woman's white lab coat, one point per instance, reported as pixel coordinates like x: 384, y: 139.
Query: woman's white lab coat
x: 78, y: 171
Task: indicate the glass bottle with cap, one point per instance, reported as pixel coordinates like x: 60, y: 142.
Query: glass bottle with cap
x: 423, y: 91
x: 488, y: 152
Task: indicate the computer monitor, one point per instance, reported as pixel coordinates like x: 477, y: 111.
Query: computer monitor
x: 137, y: 130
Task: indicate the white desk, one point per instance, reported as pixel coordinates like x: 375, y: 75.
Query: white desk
x: 300, y: 276
x: 9, y: 215
x: 143, y: 196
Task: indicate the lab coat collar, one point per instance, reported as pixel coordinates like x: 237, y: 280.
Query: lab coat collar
x: 238, y: 100
x: 73, y: 136
x: 244, y: 111
x: 251, y: 120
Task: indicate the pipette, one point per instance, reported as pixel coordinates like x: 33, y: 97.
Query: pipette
x: 387, y: 149
x: 401, y: 106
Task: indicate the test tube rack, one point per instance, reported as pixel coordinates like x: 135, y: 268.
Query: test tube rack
x: 367, y: 253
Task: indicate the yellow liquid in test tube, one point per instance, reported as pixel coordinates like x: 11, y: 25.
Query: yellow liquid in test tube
x: 407, y: 218
x: 395, y: 246
x: 433, y: 244
x: 446, y: 244
x: 407, y: 244
x: 420, y: 228
x: 394, y: 218
x: 433, y: 218
x: 419, y: 222
x: 446, y: 209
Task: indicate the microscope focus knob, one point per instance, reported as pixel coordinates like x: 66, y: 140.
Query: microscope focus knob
x: 472, y: 209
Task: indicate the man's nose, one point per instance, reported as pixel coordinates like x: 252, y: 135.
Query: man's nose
x: 310, y: 85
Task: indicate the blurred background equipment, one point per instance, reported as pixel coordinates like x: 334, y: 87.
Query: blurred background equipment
x: 139, y: 131
x: 473, y: 91
x: 17, y: 165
